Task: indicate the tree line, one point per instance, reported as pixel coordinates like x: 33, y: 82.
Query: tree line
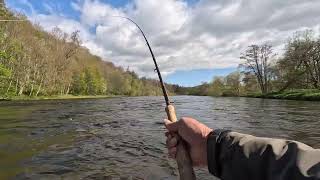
x: 262, y: 72
x: 37, y: 63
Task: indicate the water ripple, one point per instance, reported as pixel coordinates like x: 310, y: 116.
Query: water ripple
x: 124, y: 137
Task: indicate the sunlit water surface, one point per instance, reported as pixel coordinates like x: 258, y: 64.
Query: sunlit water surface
x: 124, y: 137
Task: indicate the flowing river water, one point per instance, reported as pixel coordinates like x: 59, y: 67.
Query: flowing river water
x: 123, y: 138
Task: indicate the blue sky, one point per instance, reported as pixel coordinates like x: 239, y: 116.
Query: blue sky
x: 195, y: 77
x: 194, y: 40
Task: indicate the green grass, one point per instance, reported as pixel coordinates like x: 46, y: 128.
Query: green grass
x: 22, y: 98
x: 297, y: 94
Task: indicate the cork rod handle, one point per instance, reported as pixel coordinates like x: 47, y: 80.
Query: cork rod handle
x: 183, y: 157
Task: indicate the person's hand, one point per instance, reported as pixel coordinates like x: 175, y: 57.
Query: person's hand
x: 194, y: 133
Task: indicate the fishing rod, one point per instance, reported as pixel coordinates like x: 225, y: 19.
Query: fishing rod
x: 183, y: 157
x: 164, y: 90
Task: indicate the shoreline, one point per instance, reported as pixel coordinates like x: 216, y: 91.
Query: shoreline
x: 64, y: 97
x: 286, y: 98
x: 298, y: 95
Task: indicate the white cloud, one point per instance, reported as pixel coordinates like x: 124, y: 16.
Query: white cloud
x: 48, y: 22
x: 210, y: 34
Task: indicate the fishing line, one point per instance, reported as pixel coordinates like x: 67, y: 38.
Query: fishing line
x: 164, y: 90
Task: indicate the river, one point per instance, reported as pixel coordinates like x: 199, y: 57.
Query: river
x: 123, y: 138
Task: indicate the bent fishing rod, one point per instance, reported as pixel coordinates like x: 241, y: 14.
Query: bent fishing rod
x: 183, y: 157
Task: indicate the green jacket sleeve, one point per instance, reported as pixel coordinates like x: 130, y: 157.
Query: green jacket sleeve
x: 232, y: 155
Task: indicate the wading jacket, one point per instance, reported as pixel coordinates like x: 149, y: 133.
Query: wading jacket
x: 235, y: 156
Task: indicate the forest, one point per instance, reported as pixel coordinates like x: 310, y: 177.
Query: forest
x: 36, y: 63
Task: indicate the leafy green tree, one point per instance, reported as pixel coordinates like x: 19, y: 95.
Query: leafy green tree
x: 101, y: 85
x: 216, y: 87
x: 92, y: 83
x: 4, y: 78
x: 79, y: 85
x: 250, y: 84
x: 233, y: 86
x: 300, y: 65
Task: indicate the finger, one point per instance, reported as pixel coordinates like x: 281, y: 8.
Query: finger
x: 169, y: 137
x: 170, y: 134
x: 167, y: 134
x: 172, y: 142
x: 171, y: 126
x: 172, y: 156
x: 175, y: 135
x: 172, y: 152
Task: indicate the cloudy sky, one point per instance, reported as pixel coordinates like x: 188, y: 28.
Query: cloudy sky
x: 193, y: 40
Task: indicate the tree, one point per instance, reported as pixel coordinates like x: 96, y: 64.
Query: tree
x: 10, y: 51
x: 257, y: 61
x: 216, y: 87
x: 233, y: 84
x: 300, y: 65
x: 250, y: 83
x: 78, y: 85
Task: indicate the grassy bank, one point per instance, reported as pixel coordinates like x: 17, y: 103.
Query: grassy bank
x: 25, y: 98
x: 302, y: 94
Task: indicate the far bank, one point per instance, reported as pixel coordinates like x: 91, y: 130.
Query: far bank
x: 303, y: 95
x: 63, y: 97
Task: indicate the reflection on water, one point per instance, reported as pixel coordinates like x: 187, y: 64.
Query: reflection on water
x: 123, y: 137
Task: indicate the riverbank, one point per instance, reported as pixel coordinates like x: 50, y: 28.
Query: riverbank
x: 303, y: 94
x: 26, y: 98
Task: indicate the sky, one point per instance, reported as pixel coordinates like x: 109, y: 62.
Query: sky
x: 193, y: 40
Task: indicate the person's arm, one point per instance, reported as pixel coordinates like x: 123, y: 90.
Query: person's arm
x: 230, y: 155
x: 233, y: 155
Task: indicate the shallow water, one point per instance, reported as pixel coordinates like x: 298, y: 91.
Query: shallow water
x: 124, y: 137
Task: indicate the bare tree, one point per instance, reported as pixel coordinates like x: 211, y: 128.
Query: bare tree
x: 257, y: 61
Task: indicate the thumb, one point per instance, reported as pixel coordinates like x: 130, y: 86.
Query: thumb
x: 171, y: 126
